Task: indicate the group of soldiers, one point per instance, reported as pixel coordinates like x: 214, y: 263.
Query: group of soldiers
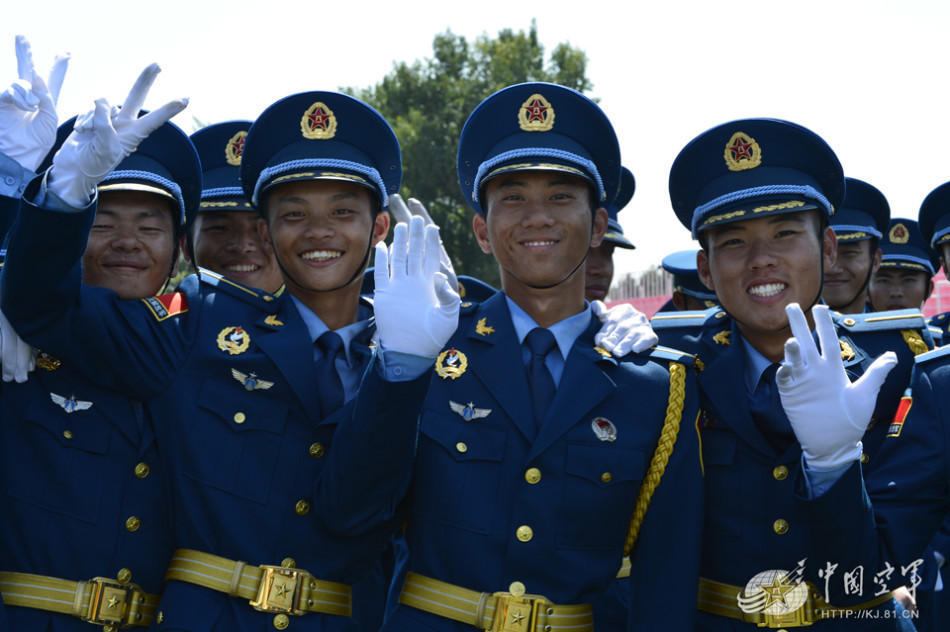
x: 293, y: 440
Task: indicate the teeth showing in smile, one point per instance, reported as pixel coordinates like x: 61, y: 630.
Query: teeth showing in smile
x: 238, y: 267
x: 321, y: 255
x: 769, y: 289
x: 537, y: 244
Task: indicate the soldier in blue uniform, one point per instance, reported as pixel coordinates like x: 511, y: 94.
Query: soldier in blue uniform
x: 757, y: 195
x: 859, y: 225
x: 224, y: 235
x: 934, y: 223
x: 520, y: 486
x: 600, y: 262
x: 689, y: 293
x: 245, y: 405
x: 905, y: 277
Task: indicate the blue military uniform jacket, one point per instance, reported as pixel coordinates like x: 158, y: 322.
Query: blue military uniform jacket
x: 230, y: 382
x: 754, y: 520
x: 940, y: 327
x: 492, y: 501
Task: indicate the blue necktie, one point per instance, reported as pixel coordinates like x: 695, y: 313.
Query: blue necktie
x: 329, y: 385
x: 766, y: 408
x: 540, y: 341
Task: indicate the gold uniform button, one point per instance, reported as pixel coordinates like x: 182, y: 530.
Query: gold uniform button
x: 517, y: 589
x: 780, y: 473
x: 288, y: 562
x: 302, y: 508
x: 142, y: 470
x: 865, y: 458
x: 780, y: 526
x: 721, y: 315
x: 533, y: 475
x: 68, y: 434
x: 281, y: 621
x: 461, y: 447
x: 317, y: 450
x: 124, y: 576
x: 160, y: 617
x: 606, y: 477
x: 849, y: 322
x: 239, y: 418
x: 524, y: 533
x: 133, y: 524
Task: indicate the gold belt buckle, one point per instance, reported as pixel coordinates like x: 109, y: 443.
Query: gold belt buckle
x: 803, y: 616
x: 279, y: 590
x: 109, y: 603
x: 516, y: 613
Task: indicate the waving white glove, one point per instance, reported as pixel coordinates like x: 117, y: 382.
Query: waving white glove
x: 102, y: 138
x: 828, y: 413
x: 15, y: 355
x: 28, y: 118
x: 625, y: 329
x: 417, y: 310
x: 402, y: 213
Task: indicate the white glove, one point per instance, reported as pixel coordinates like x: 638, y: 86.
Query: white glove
x: 15, y: 355
x: 417, y: 310
x: 402, y: 214
x: 102, y: 138
x: 28, y: 118
x: 828, y: 413
x: 625, y: 329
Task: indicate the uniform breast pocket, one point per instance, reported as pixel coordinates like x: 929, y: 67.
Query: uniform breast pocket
x: 458, y: 472
x: 723, y: 483
x: 599, y: 492
x: 59, y: 461
x: 237, y: 440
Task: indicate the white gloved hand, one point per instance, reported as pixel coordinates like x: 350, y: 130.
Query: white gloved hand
x: 102, y: 138
x: 828, y: 413
x: 15, y: 355
x: 28, y: 117
x: 416, y: 308
x: 625, y: 329
x: 402, y: 213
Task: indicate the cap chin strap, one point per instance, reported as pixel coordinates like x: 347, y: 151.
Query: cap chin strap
x: 356, y: 273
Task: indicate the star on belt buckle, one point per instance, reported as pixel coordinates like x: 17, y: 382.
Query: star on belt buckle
x: 279, y: 590
x: 109, y: 602
x: 516, y: 613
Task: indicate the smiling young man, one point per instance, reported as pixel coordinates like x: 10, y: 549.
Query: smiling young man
x: 245, y: 404
x: 521, y: 487
x: 859, y: 225
x: 757, y: 194
x: 224, y: 236
x: 904, y: 279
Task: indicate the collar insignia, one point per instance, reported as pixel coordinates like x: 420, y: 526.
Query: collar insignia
x: 451, y: 363
x: 233, y: 340
x: 482, y: 329
x: 250, y: 381
x: 318, y: 122
x: 235, y: 148
x: 273, y: 321
x: 742, y: 152
x: 847, y: 352
x: 69, y: 404
x: 47, y: 362
x: 722, y: 338
x: 468, y: 411
x: 536, y: 114
x: 604, y: 429
x: 603, y: 352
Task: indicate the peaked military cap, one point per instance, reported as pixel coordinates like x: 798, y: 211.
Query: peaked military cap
x: 864, y: 214
x: 904, y: 247
x: 321, y: 136
x: 165, y: 163
x: 538, y: 126
x: 614, y: 233
x: 934, y: 216
x: 220, y: 147
x: 753, y: 168
x: 682, y: 265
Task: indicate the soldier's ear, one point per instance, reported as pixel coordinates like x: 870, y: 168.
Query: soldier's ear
x: 702, y: 268
x: 264, y: 230
x: 480, y: 228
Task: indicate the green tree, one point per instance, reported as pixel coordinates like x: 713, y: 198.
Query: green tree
x: 427, y: 103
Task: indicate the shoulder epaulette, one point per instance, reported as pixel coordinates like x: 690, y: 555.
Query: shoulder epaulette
x: 695, y: 319
x: 938, y: 319
x: 659, y: 352
x: 939, y: 352
x: 881, y: 321
x: 936, y: 331
x: 236, y: 289
x: 166, y: 305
